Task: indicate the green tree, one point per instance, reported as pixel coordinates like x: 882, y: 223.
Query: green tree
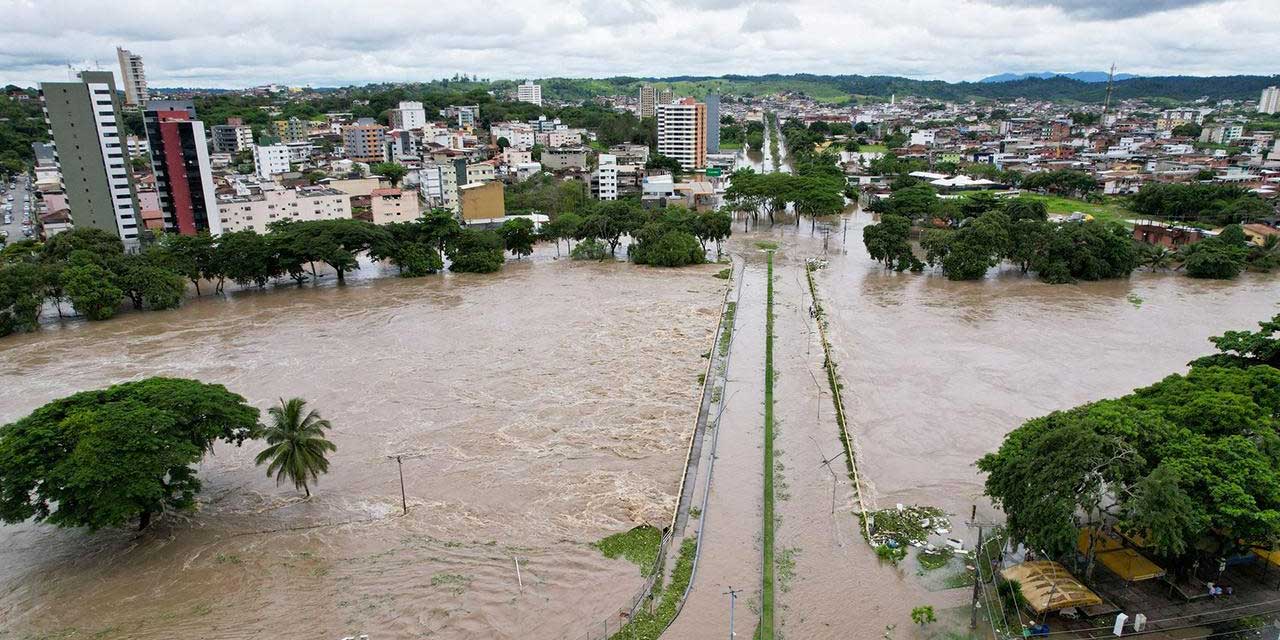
x: 144, y: 281
x: 923, y: 615
x: 562, y: 227
x: 21, y: 294
x: 392, y: 171
x: 296, y: 445
x: 190, y: 256
x: 475, y: 251
x: 247, y: 257
x: 517, y: 236
x: 107, y: 457
x: 889, y: 241
x: 91, y: 290
x: 1246, y: 348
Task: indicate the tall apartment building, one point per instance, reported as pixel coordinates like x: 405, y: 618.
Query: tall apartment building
x: 231, y: 138
x: 180, y: 162
x: 648, y: 100
x: 85, y: 122
x: 605, y: 179
x: 682, y: 133
x: 529, y: 92
x: 134, y: 77
x: 364, y: 141
x: 713, y: 122
x: 291, y: 130
x: 270, y: 160
x: 1270, y: 101
x: 666, y: 96
x: 410, y: 115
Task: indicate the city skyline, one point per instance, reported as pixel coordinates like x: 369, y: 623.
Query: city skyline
x: 190, y: 45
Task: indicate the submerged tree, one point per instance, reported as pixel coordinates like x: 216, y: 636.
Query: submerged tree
x: 296, y: 444
x: 107, y: 457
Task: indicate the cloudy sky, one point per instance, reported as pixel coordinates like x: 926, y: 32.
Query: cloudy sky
x: 238, y: 43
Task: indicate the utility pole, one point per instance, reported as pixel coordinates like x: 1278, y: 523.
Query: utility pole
x: 1106, y: 104
x: 977, y: 578
x: 404, y: 502
x: 733, y: 597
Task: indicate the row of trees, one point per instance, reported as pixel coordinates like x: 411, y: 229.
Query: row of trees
x: 126, y: 453
x: 981, y: 233
x: 90, y: 269
x: 1189, y: 462
x: 1207, y: 203
x: 609, y: 222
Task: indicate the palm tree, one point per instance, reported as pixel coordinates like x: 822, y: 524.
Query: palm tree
x: 1158, y: 257
x: 296, y: 444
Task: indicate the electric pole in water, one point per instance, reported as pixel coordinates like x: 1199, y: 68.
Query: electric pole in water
x: 978, y: 559
x: 404, y: 502
x: 733, y: 597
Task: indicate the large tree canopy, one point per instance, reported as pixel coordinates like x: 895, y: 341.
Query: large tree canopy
x: 1192, y: 461
x: 103, y: 458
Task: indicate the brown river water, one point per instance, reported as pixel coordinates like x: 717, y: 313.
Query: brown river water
x: 548, y: 406
x: 539, y: 410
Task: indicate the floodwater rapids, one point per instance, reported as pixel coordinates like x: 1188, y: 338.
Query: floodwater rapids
x: 537, y: 410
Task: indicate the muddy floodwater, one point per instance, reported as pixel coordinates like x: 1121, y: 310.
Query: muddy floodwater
x: 537, y: 411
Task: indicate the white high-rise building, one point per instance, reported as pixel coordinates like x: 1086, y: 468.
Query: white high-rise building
x: 1270, y: 101
x: 606, y: 177
x: 270, y: 160
x: 134, y: 78
x: 682, y: 133
x: 410, y: 115
x: 529, y: 92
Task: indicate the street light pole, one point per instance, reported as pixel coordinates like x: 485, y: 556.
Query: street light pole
x: 733, y: 597
x: 404, y: 502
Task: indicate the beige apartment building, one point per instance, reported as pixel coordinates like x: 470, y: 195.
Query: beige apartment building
x: 394, y: 205
x: 275, y: 203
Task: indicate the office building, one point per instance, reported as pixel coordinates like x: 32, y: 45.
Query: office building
x: 713, y: 122
x: 1270, y: 101
x: 648, y: 100
x: 84, y: 119
x: 364, y: 141
x: 180, y: 163
x: 270, y: 160
x: 410, y: 115
x: 605, y: 179
x: 232, y: 138
x: 134, y: 78
x: 682, y: 133
x: 529, y: 92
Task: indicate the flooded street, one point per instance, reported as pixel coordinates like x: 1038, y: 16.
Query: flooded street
x: 539, y: 410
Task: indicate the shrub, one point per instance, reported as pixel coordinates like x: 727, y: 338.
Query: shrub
x: 590, y: 250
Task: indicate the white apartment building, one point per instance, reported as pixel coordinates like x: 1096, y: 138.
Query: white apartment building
x: 923, y: 138
x: 275, y: 203
x: 519, y: 134
x: 529, y: 92
x: 480, y: 172
x: 138, y: 146
x: 512, y: 156
x: 1270, y: 101
x: 270, y: 160
x: 410, y: 115
x: 564, y: 137
x: 439, y: 183
x: 134, y: 78
x: 606, y: 177
x: 682, y: 133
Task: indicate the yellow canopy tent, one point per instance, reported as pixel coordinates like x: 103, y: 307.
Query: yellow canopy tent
x: 1048, y: 586
x: 1270, y: 555
x: 1109, y: 549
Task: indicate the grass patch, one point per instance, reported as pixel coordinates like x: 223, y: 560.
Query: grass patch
x: 726, y: 333
x: 1135, y: 299
x: 649, y: 623
x: 639, y: 545
x: 767, y: 245
x: 1110, y: 209
x: 455, y: 583
x: 723, y: 274
x: 873, y: 148
x: 956, y: 581
x: 767, y: 535
x: 936, y: 559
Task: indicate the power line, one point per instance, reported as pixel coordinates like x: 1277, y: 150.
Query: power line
x: 1189, y: 615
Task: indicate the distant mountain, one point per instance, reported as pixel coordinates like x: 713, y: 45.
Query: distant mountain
x: 1082, y: 76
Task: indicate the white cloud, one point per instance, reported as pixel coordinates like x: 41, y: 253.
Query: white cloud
x: 238, y: 43
x: 769, y: 17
